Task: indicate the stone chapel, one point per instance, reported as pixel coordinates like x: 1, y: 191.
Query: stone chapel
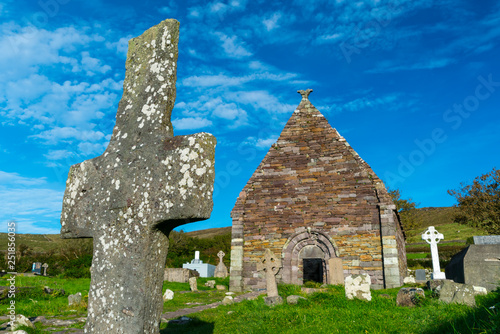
x: 311, y: 201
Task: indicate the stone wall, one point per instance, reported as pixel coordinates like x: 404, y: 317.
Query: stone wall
x: 312, y: 189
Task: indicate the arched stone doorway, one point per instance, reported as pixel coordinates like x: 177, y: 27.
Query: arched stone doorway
x: 310, y: 249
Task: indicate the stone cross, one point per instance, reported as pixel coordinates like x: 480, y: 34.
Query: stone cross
x: 221, y: 269
x: 305, y: 93
x: 221, y: 255
x: 146, y: 183
x: 271, y: 265
x: 433, y: 237
x: 45, y: 266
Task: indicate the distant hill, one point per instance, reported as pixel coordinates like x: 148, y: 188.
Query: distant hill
x: 442, y: 219
x: 209, y: 233
x: 40, y: 243
x: 431, y: 216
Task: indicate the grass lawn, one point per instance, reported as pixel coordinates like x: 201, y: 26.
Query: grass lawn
x: 331, y: 312
x: 416, y: 255
x: 325, y: 312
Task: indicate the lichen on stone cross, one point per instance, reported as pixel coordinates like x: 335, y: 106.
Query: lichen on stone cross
x: 305, y: 93
x: 221, y: 254
x: 146, y: 183
x: 271, y: 265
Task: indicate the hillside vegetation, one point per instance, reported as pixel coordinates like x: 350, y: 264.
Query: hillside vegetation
x: 56, y: 252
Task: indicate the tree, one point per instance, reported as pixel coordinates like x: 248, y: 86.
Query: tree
x: 407, y: 210
x: 479, y: 202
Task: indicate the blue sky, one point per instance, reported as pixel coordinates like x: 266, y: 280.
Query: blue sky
x: 414, y: 87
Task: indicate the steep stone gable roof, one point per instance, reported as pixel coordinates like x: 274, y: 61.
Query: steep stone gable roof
x: 312, y: 164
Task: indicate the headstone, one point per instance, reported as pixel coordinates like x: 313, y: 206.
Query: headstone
x: 204, y: 269
x: 420, y: 275
x: 409, y: 297
x: 433, y: 237
x: 487, y: 240
x: 21, y: 320
x: 221, y: 269
x: 335, y: 271
x: 168, y: 295
x: 75, y: 299
x: 476, y: 265
x: 270, y: 265
x: 210, y: 284
x: 409, y: 280
x: 193, y: 284
x: 452, y: 292
x: 45, y: 266
x: 180, y: 275
x: 358, y: 286
x: 294, y: 299
x: 37, y: 268
x: 228, y: 300
x: 146, y: 183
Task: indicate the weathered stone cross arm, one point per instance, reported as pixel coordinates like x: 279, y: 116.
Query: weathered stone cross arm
x: 146, y: 183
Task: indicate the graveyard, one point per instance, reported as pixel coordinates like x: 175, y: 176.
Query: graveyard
x: 317, y: 242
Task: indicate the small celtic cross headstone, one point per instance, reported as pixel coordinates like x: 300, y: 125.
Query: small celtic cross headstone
x: 271, y: 265
x: 221, y: 255
x: 45, y: 266
x: 146, y: 183
x: 221, y: 269
x: 433, y: 237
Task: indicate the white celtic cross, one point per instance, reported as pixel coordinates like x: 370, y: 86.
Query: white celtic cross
x: 433, y: 237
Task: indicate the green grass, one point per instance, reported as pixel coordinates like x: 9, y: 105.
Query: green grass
x: 325, y: 312
x: 331, y: 312
x: 417, y: 255
x: 34, y: 302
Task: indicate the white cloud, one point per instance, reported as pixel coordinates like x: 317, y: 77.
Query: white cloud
x: 233, y: 48
x: 16, y: 180
x: 91, y: 65
x: 120, y: 46
x: 387, y: 67
x: 272, y: 22
x: 261, y: 143
x: 218, y: 7
x: 29, y: 226
x: 226, y: 80
x: 58, y: 154
x: 24, y: 201
x: 170, y: 9
x: 87, y: 148
x: 261, y: 100
x: 57, y: 134
x: 191, y: 123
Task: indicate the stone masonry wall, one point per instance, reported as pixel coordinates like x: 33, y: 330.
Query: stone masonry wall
x: 312, y: 180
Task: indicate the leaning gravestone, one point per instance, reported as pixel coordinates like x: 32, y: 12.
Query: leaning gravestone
x: 193, y: 284
x: 146, y: 183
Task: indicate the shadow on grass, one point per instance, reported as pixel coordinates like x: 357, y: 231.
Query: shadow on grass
x: 194, y: 326
x: 484, y: 319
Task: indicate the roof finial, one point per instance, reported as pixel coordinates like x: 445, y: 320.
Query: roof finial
x: 305, y: 93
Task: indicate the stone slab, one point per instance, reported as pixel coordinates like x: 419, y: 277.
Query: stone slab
x: 487, y: 240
